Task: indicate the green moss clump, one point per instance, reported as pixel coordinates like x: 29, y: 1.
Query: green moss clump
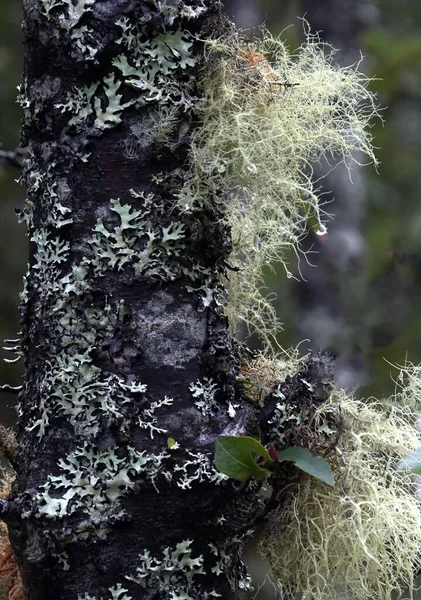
x: 267, y: 116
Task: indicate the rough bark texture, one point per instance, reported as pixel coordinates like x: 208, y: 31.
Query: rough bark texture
x: 131, y: 371
x: 120, y: 327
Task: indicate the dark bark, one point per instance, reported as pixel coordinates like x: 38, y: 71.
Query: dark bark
x: 119, y: 318
x: 131, y: 370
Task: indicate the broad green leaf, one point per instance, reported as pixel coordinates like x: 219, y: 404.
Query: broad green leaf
x: 412, y: 461
x: 304, y: 460
x: 235, y: 457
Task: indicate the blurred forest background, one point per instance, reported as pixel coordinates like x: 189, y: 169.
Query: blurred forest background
x: 362, y: 301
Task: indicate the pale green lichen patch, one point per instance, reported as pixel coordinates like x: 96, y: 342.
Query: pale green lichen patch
x: 70, y: 12
x: 137, y: 243
x: 150, y: 64
x: 149, y: 68
x: 101, y: 100
x: 197, y: 468
x: 91, y: 484
x: 174, y: 572
x: 50, y: 253
x: 71, y: 384
x: 204, y: 393
x: 116, y: 592
x: 267, y: 115
x: 110, y: 116
x: 229, y: 562
x: 148, y: 420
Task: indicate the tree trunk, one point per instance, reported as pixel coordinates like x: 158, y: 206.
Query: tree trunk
x: 130, y: 367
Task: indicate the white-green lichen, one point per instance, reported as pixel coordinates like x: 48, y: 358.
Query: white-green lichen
x: 197, y: 468
x: 173, y: 572
x: 116, y: 592
x: 68, y: 12
x: 91, y: 484
x: 229, y: 562
x: 204, y: 393
x: 267, y: 116
x: 71, y: 384
x: 110, y: 115
x: 51, y: 252
x: 135, y: 242
x: 148, y: 420
x: 148, y: 64
x: 100, y: 102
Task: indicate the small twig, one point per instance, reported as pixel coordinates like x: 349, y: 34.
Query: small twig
x: 13, y: 158
x: 11, y: 389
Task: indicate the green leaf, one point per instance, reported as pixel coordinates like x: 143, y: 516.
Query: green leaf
x: 235, y: 457
x: 412, y: 461
x: 304, y: 460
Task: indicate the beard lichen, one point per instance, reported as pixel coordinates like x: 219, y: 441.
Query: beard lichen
x: 360, y: 539
x: 267, y: 115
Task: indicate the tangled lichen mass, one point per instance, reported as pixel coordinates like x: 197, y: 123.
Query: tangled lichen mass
x: 267, y: 116
x: 361, y: 539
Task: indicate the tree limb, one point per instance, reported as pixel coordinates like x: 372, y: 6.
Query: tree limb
x: 12, y: 158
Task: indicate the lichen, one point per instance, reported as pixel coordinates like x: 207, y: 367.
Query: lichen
x: 173, y: 573
x: 51, y: 252
x: 148, y: 419
x: 149, y: 65
x: 99, y: 102
x: 204, y: 394
x: 137, y: 243
x: 91, y: 485
x: 361, y: 539
x: 267, y: 115
x: 197, y: 468
x: 116, y: 592
x: 229, y: 562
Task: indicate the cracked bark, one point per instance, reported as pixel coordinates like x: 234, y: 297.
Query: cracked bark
x: 166, y: 339
x: 120, y: 319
